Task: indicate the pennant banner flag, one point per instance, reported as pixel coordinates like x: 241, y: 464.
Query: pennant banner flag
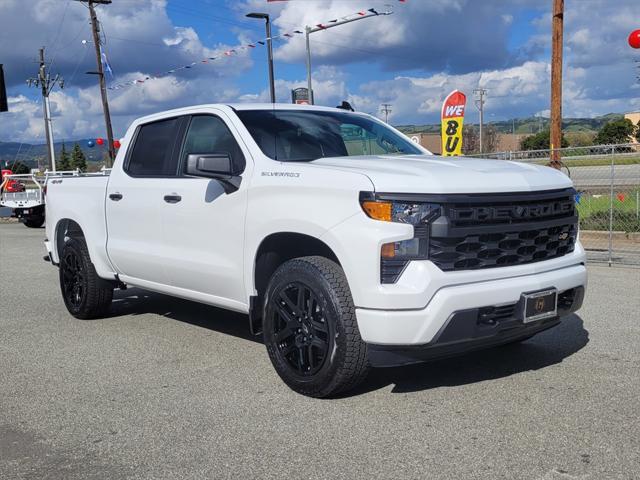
x: 371, y: 12
x: 452, y: 121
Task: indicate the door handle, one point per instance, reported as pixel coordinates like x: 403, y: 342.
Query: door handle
x: 172, y: 198
x: 116, y: 197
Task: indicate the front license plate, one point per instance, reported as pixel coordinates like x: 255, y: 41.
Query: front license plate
x: 540, y: 305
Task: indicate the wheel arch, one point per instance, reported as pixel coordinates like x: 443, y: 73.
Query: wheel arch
x: 96, y: 244
x: 275, y: 249
x: 65, y: 228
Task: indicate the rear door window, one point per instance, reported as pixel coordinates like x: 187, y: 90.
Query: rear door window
x: 153, y: 153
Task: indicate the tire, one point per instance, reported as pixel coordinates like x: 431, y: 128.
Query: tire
x: 34, y: 221
x: 310, y: 328
x: 84, y: 293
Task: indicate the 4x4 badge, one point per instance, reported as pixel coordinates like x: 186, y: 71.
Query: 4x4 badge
x: 563, y: 236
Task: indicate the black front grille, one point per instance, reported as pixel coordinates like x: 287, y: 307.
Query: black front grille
x: 477, y: 231
x: 502, y: 249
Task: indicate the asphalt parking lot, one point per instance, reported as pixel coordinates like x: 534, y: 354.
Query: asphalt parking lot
x: 166, y: 388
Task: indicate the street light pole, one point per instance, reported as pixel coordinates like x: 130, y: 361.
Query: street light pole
x: 265, y: 16
x: 309, y: 30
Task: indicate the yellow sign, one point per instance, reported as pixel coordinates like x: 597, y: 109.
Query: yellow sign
x: 452, y: 122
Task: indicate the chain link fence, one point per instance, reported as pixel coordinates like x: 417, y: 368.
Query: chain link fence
x: 607, y: 182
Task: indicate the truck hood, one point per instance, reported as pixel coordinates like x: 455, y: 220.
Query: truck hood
x: 433, y: 174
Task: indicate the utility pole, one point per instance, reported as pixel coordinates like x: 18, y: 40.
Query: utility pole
x: 481, y: 92
x: 556, y: 82
x: 95, y: 26
x: 309, y: 30
x: 46, y: 84
x: 386, y: 109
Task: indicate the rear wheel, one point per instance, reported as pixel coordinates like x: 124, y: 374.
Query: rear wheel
x: 84, y: 293
x: 34, y: 221
x: 310, y: 328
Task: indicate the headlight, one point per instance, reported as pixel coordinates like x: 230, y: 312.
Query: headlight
x: 401, y: 212
x: 395, y: 256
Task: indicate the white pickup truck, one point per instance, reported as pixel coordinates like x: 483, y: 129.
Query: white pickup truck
x: 347, y: 245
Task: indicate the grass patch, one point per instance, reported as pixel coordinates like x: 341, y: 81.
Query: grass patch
x: 594, y: 212
x: 599, y: 162
x: 622, y: 222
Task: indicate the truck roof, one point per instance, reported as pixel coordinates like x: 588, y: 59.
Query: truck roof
x: 278, y: 106
x: 236, y: 106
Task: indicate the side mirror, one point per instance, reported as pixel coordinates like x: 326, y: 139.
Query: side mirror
x: 209, y: 165
x: 214, y: 165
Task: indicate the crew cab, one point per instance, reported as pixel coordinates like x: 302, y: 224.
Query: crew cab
x: 346, y: 244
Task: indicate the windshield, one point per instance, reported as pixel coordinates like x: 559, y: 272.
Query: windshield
x: 305, y: 135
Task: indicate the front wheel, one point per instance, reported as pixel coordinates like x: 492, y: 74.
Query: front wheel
x: 84, y: 293
x: 310, y: 328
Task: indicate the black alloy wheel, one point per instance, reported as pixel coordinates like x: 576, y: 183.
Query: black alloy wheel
x: 85, y: 294
x: 302, y: 334
x: 310, y: 328
x: 73, y: 279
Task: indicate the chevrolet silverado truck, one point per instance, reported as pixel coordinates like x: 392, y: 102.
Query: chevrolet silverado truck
x: 347, y: 245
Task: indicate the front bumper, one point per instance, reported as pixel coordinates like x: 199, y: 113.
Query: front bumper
x: 420, y: 327
x: 476, y: 329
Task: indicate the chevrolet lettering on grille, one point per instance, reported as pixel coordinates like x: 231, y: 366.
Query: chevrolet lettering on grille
x: 513, y: 212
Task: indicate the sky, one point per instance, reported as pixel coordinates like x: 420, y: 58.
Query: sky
x: 411, y: 59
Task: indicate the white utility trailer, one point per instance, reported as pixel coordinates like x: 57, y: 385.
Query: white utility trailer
x: 27, y: 201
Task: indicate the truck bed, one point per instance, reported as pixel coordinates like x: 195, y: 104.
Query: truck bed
x: 80, y: 199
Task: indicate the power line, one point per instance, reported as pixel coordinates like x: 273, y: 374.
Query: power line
x: 57, y: 37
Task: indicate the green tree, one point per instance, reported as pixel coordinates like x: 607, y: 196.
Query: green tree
x: 540, y: 141
x: 580, y: 139
x: 615, y: 132
x: 20, y: 168
x: 64, y: 161
x: 78, y: 160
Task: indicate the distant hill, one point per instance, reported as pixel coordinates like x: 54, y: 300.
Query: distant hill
x: 528, y: 125
x: 35, y: 155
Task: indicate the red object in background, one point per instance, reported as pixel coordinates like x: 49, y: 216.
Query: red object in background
x: 100, y: 141
x: 12, y: 185
x: 116, y: 144
x: 634, y: 39
x: 621, y: 197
